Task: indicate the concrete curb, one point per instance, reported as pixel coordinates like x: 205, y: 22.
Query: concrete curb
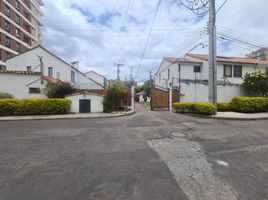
x: 64, y: 117
x: 225, y: 118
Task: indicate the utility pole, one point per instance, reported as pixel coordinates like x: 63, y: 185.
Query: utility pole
x: 118, y: 70
x: 151, y: 79
x: 41, y: 68
x: 212, y: 80
x: 131, y: 75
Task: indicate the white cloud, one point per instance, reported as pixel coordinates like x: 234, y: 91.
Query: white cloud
x: 70, y: 31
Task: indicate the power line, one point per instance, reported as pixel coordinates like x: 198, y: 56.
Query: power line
x: 221, y: 6
x: 148, y: 36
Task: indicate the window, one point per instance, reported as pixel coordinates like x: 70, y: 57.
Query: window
x: 2, y: 68
x: 72, y: 76
x: 197, y: 69
x: 7, y: 11
x: 17, y: 33
x: 7, y: 26
x: 227, y: 70
x: 27, y: 40
x: 29, y: 68
x: 238, y: 71
x: 168, y: 74
x: 159, y: 77
x: 17, y: 5
x: 50, y: 72
x: 27, y: 16
x: 58, y: 75
x: 7, y: 41
x: 18, y: 19
x: 34, y: 90
x: 18, y: 47
x: 8, y: 55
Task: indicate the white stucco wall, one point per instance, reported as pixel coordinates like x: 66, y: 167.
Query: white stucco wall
x: 199, y: 92
x: 96, y: 77
x: 18, y: 85
x: 96, y: 102
x: 61, y: 70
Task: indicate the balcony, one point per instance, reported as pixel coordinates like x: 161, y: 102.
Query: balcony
x: 28, y: 4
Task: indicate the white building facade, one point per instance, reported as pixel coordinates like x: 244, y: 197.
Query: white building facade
x: 53, y: 67
x: 190, y: 74
x: 97, y: 77
x: 21, y: 85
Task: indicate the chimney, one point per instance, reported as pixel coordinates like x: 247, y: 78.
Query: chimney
x: 75, y: 64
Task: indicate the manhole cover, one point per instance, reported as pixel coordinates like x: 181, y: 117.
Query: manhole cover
x: 178, y: 135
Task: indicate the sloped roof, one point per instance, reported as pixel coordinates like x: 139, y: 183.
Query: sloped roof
x: 241, y: 60
x: 52, y: 80
x: 84, y: 93
x: 72, y: 67
x: 92, y: 71
x: 180, y: 60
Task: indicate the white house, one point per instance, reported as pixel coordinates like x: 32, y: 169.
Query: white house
x: 190, y: 74
x: 21, y: 84
x: 53, y: 67
x: 97, y: 77
x: 26, y: 74
x: 86, y: 102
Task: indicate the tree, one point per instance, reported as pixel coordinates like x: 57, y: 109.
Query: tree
x: 145, y: 87
x: 256, y: 84
x: 58, y: 90
x: 114, y: 95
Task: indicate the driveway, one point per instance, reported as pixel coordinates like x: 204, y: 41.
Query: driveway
x: 149, y: 155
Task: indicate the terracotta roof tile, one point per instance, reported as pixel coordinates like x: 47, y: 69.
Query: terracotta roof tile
x: 51, y: 80
x: 19, y: 72
x: 242, y: 60
x: 180, y: 60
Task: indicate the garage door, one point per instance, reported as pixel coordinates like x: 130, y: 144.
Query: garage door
x: 84, y: 106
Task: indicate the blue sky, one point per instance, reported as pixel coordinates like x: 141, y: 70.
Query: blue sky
x: 100, y: 33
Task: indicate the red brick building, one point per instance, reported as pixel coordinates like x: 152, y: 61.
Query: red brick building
x: 19, y: 27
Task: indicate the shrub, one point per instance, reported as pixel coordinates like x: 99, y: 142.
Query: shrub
x: 256, y: 83
x: 114, y: 96
x: 58, y: 90
x: 34, y: 106
x: 249, y: 104
x: 223, y: 106
x: 195, y: 108
x: 5, y: 95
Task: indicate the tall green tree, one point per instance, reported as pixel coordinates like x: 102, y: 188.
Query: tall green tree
x: 114, y: 95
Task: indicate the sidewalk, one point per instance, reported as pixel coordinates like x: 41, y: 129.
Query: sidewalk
x: 240, y: 116
x: 66, y: 116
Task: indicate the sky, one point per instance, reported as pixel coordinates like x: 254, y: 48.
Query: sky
x: 103, y: 32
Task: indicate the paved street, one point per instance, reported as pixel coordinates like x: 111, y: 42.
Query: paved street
x: 149, y: 155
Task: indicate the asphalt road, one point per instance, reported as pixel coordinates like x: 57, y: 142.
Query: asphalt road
x: 149, y: 155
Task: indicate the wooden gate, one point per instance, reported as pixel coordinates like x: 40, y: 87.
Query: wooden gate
x: 160, y: 98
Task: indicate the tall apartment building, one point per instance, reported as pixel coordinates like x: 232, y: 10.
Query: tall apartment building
x: 20, y: 22
x: 261, y: 54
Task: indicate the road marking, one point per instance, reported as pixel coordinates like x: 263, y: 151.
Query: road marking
x: 223, y: 163
x: 193, y: 173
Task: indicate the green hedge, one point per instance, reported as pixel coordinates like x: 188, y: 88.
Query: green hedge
x: 194, y: 108
x: 34, y: 106
x: 5, y: 95
x: 224, y: 107
x: 249, y: 104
